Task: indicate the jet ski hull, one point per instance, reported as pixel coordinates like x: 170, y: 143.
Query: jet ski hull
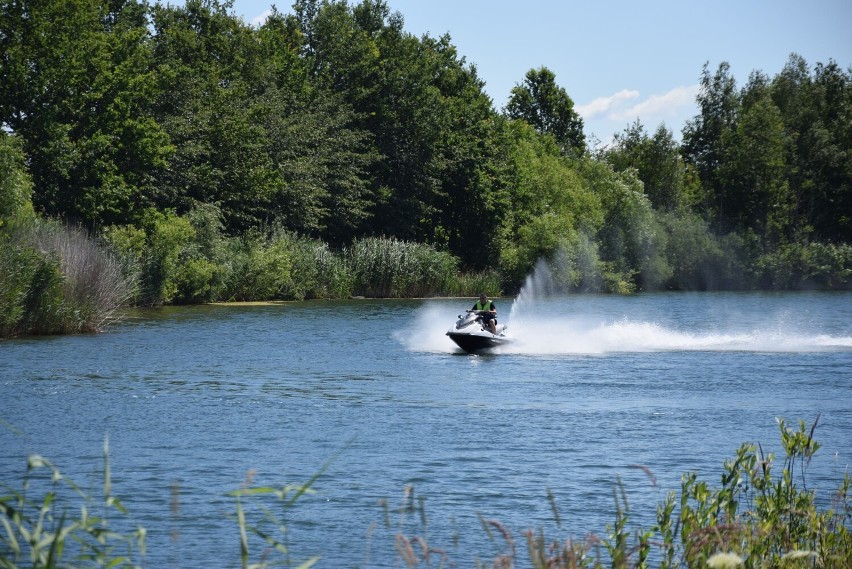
x: 473, y: 343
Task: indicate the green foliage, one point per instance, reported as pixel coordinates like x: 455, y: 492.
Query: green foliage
x: 754, y: 193
x: 547, y: 107
x: 657, y: 162
x: 43, y: 533
x: 56, y: 280
x: 15, y: 183
x: 334, y: 124
x: 474, y: 283
x: 765, y: 519
x: 31, y: 293
x: 260, y: 269
x: 696, y: 256
x: 631, y: 242
x: 755, y: 518
x: 166, y: 236
x: 388, y: 268
x: 78, y: 88
x: 806, y: 266
x: 285, y: 266
x: 772, y: 157
x: 550, y: 205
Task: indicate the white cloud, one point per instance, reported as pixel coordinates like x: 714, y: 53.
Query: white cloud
x: 612, y: 114
x: 667, y: 105
x: 258, y: 21
x: 605, y: 105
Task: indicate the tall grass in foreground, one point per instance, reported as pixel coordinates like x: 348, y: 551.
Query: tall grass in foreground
x: 756, y: 518
x: 55, y: 279
x: 39, y: 534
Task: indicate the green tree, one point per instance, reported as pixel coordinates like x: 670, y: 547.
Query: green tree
x: 816, y: 109
x: 631, y: 243
x: 205, y: 56
x: 547, y: 107
x: 321, y: 158
x: 426, y: 113
x: 77, y: 86
x: 657, y: 162
x: 550, y: 207
x: 753, y: 190
x: 15, y: 183
x: 718, y: 102
x: 321, y: 149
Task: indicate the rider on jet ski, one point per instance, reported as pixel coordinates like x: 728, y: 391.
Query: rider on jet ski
x: 488, y: 311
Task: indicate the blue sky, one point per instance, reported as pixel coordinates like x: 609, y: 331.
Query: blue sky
x: 620, y: 60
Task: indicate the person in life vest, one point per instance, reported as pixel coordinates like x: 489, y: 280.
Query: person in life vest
x: 488, y: 311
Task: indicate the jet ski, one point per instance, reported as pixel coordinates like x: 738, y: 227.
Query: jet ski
x: 472, y: 336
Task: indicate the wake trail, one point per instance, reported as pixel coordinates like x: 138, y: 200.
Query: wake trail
x: 535, y: 329
x: 587, y: 336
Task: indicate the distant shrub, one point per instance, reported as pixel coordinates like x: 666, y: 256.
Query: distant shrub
x: 166, y: 236
x: 694, y: 253
x: 30, y: 291
x: 260, y: 269
x: 799, y: 266
x: 57, y: 280
x: 389, y: 268
x: 15, y: 183
x: 474, y: 283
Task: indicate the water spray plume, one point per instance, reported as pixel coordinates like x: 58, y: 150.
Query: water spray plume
x: 545, y: 319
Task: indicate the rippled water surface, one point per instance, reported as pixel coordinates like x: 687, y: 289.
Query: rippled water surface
x: 195, y: 399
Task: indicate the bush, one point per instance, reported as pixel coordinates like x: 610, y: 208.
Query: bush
x: 57, y: 280
x: 30, y: 291
x: 388, y: 268
x: 166, y: 235
x: 806, y: 265
x: 474, y: 283
x: 15, y: 183
x: 260, y: 269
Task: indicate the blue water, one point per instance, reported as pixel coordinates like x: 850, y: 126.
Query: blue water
x: 195, y: 400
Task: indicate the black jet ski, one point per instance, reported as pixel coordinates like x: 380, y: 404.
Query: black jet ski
x: 472, y: 336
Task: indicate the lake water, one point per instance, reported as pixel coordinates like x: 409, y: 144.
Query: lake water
x: 195, y: 399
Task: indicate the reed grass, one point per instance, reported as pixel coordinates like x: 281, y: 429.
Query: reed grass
x: 389, y: 268
x: 42, y: 534
x: 474, y: 283
x: 55, y: 279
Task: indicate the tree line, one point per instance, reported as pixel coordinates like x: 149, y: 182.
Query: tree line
x: 333, y: 124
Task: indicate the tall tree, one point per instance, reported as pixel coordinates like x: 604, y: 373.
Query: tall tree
x: 78, y: 86
x: 816, y: 108
x: 546, y: 106
x: 754, y: 192
x: 657, y: 162
x: 206, y: 57
x: 718, y: 103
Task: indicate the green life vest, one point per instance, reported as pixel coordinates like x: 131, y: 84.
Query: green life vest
x: 480, y: 306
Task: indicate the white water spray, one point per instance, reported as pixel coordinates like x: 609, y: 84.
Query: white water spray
x: 546, y: 320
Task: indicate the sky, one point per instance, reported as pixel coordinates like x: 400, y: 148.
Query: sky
x: 622, y: 60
